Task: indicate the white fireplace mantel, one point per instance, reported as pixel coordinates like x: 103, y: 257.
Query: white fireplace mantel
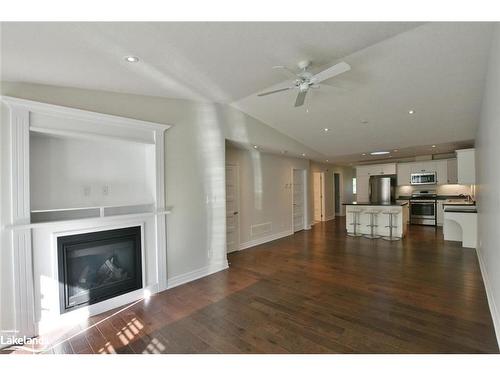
x: 27, y: 238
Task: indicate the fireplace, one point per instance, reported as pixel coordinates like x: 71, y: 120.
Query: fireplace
x: 97, y: 266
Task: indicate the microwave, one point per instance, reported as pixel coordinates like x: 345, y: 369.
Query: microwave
x: 423, y: 178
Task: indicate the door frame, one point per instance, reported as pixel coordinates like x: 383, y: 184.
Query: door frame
x: 237, y: 173
x: 339, y: 187
x: 305, y: 185
x: 322, y: 196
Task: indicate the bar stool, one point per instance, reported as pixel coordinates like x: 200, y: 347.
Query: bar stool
x: 392, y: 215
x: 355, y: 221
x: 373, y: 216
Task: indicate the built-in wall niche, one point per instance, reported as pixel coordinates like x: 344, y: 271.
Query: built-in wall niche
x: 67, y: 164
x: 76, y: 178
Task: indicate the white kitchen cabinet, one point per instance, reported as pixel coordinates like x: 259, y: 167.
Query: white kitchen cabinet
x: 440, y: 213
x: 388, y: 168
x: 376, y: 169
x: 441, y: 169
x: 404, y: 172
x: 466, y: 166
x: 362, y: 188
x: 452, y: 171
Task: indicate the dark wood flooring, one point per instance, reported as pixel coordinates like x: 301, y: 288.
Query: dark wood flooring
x: 314, y: 292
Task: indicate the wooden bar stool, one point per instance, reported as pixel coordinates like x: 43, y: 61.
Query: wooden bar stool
x: 392, y: 215
x: 355, y: 221
x: 373, y: 219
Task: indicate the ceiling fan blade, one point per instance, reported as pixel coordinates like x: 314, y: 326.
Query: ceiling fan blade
x: 300, y: 98
x: 289, y: 72
x: 274, y: 91
x: 331, y: 72
x: 331, y: 88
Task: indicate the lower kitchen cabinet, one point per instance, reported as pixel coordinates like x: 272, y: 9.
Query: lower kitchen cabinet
x: 440, y: 213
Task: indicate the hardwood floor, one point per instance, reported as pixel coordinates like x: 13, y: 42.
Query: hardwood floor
x: 314, y: 292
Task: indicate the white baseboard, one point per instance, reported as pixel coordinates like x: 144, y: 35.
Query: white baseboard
x: 260, y: 241
x: 489, y: 295
x: 328, y: 218
x: 172, y: 282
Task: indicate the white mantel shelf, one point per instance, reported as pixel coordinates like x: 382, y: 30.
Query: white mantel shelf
x: 141, y: 215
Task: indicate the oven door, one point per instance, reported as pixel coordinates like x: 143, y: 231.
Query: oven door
x: 423, y: 212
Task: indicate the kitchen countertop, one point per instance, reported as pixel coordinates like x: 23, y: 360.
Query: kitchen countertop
x: 375, y: 204
x: 465, y: 210
x: 439, y: 197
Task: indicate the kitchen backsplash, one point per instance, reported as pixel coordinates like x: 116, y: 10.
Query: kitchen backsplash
x: 440, y: 189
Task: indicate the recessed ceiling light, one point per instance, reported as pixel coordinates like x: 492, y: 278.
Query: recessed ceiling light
x: 396, y: 150
x: 131, y: 59
x: 411, y: 111
x: 303, y: 154
x: 326, y: 160
x: 326, y: 129
x: 307, y: 110
x: 364, y: 154
x: 255, y: 146
x: 433, y: 146
x: 390, y: 156
x: 379, y: 153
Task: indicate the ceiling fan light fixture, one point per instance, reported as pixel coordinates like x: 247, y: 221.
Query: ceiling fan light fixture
x: 304, y: 79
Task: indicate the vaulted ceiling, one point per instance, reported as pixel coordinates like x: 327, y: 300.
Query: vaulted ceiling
x: 436, y: 69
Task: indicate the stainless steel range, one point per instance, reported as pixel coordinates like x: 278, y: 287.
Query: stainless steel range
x: 423, y: 208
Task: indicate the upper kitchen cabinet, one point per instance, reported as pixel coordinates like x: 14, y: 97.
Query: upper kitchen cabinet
x: 441, y: 169
x: 404, y: 172
x: 376, y: 169
x: 466, y: 166
x: 452, y: 171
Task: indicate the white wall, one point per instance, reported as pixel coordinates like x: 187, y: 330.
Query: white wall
x: 265, y: 192
x: 488, y: 180
x: 195, y: 166
x: 62, y: 168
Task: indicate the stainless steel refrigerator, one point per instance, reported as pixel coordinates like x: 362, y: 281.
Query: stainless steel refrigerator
x: 383, y: 189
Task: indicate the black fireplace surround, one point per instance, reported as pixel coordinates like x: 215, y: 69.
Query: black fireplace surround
x: 97, y: 266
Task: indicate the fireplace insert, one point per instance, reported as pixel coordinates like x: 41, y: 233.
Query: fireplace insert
x: 97, y: 266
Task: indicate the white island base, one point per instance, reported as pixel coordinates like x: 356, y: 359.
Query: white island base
x: 381, y: 219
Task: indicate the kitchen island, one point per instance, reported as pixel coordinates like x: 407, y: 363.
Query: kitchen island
x: 382, y: 219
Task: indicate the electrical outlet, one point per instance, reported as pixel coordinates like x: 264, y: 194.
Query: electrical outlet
x: 105, y: 190
x: 86, y: 191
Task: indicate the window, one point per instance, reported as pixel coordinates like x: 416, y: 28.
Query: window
x: 354, y: 185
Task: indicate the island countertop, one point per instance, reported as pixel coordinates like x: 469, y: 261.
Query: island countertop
x: 396, y: 204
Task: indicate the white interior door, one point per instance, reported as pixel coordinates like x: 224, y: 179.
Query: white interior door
x: 298, y: 200
x: 232, y: 209
x: 319, y: 211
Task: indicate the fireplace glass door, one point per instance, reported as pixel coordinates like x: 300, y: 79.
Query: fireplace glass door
x: 97, y: 266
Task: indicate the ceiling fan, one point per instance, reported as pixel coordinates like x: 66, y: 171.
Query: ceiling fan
x: 304, y: 79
